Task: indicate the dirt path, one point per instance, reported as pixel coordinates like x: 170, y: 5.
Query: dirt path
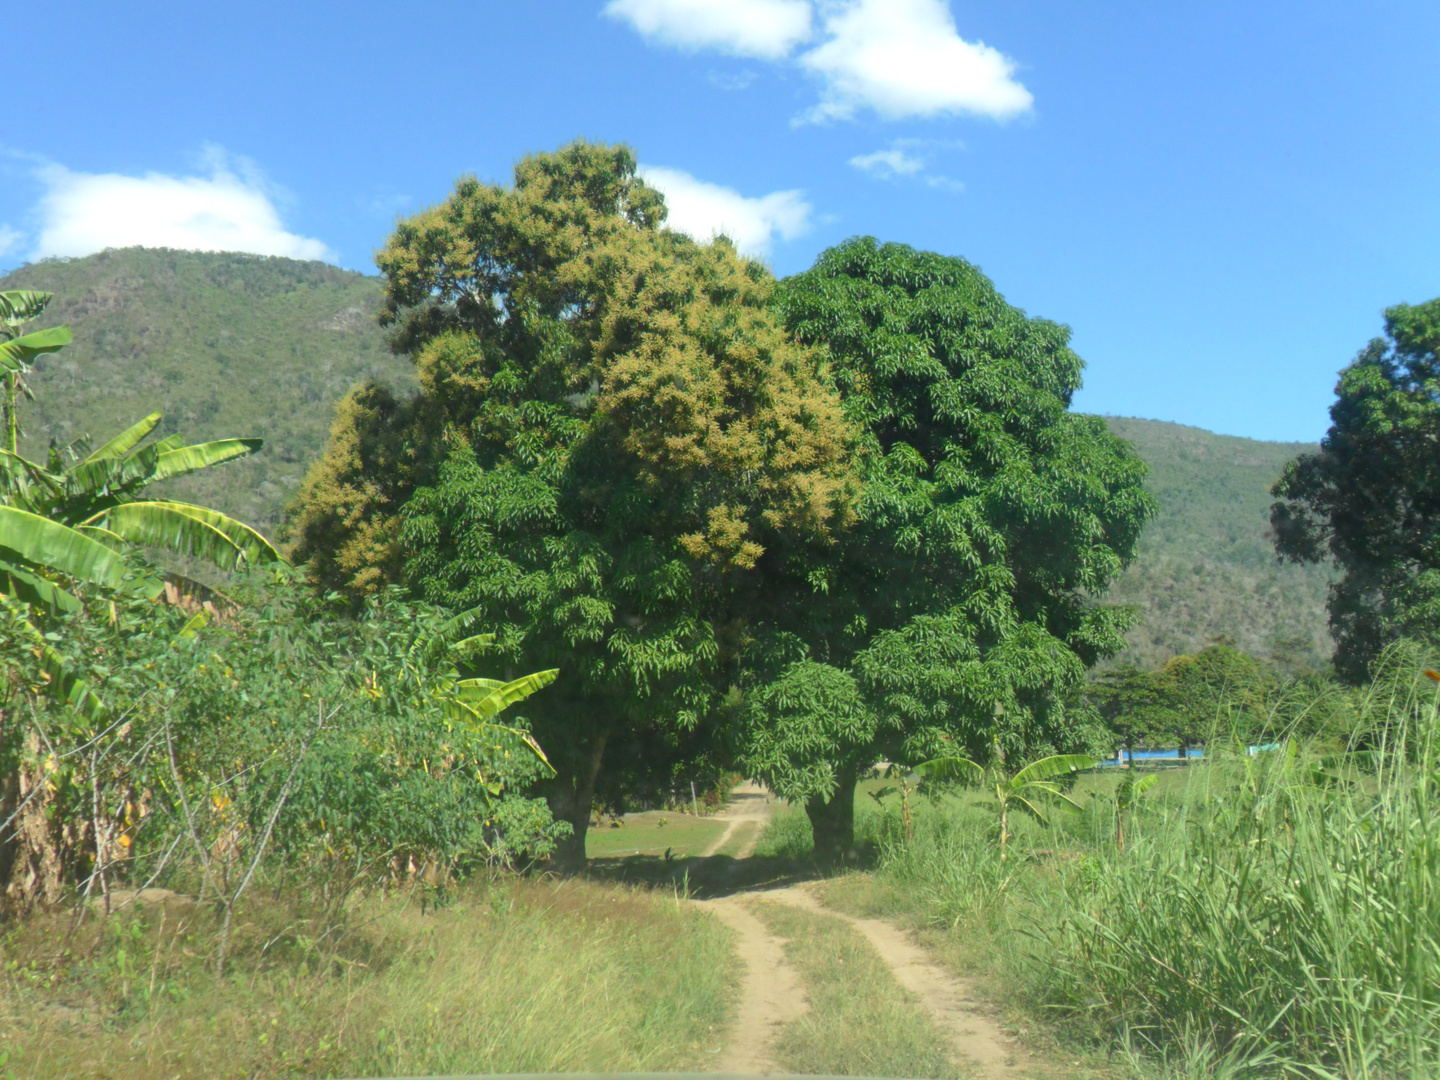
x: 975, y: 1035
x: 771, y: 993
x: 747, y: 812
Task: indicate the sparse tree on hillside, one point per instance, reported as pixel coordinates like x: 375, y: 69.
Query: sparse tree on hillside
x: 1369, y: 500
x: 612, y: 428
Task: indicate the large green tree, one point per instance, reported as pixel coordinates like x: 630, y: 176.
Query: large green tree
x: 1369, y: 499
x: 612, y: 429
x: 961, y: 603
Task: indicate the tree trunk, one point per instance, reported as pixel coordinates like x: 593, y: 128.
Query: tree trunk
x: 570, y: 799
x: 833, y: 822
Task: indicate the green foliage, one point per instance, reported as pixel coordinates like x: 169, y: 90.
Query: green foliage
x: 1219, y: 692
x: 612, y: 427
x: 806, y: 732
x: 1187, y: 698
x: 409, y: 771
x: 1024, y: 790
x: 990, y: 513
x: 1263, y: 912
x: 352, y: 745
x: 219, y: 343
x: 1369, y: 500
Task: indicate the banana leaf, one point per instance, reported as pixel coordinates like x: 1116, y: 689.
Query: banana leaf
x: 41, y: 543
x: 188, y: 459
x: 20, y: 305
x: 192, y: 530
x: 498, y: 700
x: 1059, y: 765
x: 19, y: 354
x: 35, y: 590
x: 105, y: 475
x: 130, y: 437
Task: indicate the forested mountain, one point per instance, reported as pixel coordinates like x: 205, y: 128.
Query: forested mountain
x: 1207, y: 567
x: 226, y: 345
x: 242, y: 345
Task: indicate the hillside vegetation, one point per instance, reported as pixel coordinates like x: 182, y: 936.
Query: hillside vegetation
x: 226, y: 345
x: 241, y: 345
x: 1207, y: 566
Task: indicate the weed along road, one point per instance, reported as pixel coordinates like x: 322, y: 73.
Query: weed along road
x: 816, y: 983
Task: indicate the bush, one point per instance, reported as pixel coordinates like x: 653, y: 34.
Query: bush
x: 325, y: 740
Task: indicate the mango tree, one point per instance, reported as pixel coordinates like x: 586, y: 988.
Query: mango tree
x: 613, y: 429
x: 990, y: 517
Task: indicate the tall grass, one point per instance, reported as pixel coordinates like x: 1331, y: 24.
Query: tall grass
x: 511, y: 976
x: 1280, y: 911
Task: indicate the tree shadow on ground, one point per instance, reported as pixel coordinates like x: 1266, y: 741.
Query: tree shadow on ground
x: 707, y: 877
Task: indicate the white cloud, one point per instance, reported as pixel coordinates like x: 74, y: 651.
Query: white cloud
x: 908, y: 159
x: 706, y: 210
x: 81, y: 213
x: 904, y: 58
x: 888, y: 164
x: 768, y: 29
x: 9, y: 238
x: 899, y: 58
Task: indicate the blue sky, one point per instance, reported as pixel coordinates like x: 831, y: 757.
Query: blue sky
x: 1219, y: 198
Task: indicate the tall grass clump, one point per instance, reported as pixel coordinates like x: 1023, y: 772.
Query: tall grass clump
x: 952, y: 865
x: 1281, y: 909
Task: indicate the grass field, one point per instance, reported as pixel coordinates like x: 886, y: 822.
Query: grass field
x: 508, y: 976
x: 1265, y: 916
x: 653, y: 832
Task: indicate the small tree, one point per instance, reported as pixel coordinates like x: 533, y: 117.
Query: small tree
x: 807, y: 735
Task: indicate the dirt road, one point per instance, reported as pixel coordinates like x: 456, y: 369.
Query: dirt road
x: 747, y: 813
x: 772, y: 994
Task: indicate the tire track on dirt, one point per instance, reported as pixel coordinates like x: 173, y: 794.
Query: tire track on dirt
x: 749, y: 807
x: 771, y: 994
x: 977, y: 1039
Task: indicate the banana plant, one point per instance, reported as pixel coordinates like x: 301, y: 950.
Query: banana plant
x: 1127, y: 796
x: 1021, y: 791
x: 64, y: 526
x: 19, y: 351
x: 38, y: 558
x: 102, y: 494
x: 431, y: 667
x: 901, y: 776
